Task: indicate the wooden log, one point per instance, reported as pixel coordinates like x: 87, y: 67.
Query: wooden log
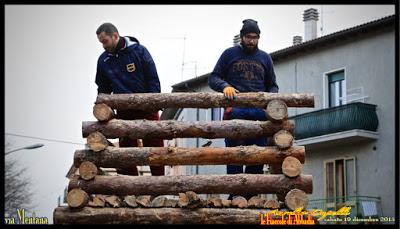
x: 113, y: 201
x: 214, y: 202
x: 144, y: 200
x: 271, y: 204
x: 96, y: 141
x: 183, y: 200
x: 171, y: 185
x: 114, y: 157
x: 295, y: 199
x: 157, y: 101
x: 291, y: 167
x: 226, y: 203
x: 239, y: 202
x: 158, y: 202
x: 283, y: 139
x: 194, y: 201
x: 77, y: 198
x: 255, y: 202
x: 171, y: 203
x: 87, y: 215
x: 168, y: 129
x: 102, y: 112
x: 276, y: 111
x: 88, y: 170
x: 130, y: 201
x: 97, y: 201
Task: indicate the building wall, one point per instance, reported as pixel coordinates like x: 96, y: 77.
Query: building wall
x: 369, y: 63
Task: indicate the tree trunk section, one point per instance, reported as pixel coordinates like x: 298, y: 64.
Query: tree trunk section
x: 97, y: 201
x: 113, y: 201
x: 239, y: 202
x: 122, y: 185
x: 255, y: 202
x: 144, y: 201
x: 283, y: 139
x: 168, y: 129
x: 88, y: 170
x: 226, y: 203
x: 114, y: 157
x: 271, y: 204
x: 96, y: 141
x: 88, y: 215
x: 157, y: 101
x: 102, y: 112
x: 296, y: 199
x: 291, y: 167
x: 77, y: 198
x: 158, y: 202
x: 276, y: 111
x: 214, y: 202
x: 130, y: 201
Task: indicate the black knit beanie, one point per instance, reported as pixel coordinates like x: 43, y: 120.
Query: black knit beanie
x: 249, y: 26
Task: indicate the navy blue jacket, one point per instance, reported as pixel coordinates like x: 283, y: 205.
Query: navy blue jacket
x: 130, y: 70
x: 245, y: 72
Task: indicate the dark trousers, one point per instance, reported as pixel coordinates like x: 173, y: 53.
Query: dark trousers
x: 127, y: 142
x: 247, y: 114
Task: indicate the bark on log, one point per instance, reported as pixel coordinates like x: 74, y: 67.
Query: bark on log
x: 283, y: 139
x: 102, y: 112
x: 122, y: 185
x: 77, y: 198
x: 296, y: 198
x: 87, y: 215
x: 291, y: 167
x: 157, y: 101
x: 168, y: 129
x: 114, y: 157
x: 239, y: 202
x: 88, y: 170
x: 276, y: 111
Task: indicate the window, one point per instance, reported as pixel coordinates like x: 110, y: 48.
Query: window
x: 337, y: 88
x: 216, y: 114
x: 340, y: 180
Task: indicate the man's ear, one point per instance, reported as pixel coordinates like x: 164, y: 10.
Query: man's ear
x: 115, y: 35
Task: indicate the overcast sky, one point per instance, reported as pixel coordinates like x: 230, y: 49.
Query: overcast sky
x: 51, y: 53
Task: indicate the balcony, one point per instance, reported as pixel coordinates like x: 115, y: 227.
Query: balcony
x: 348, y: 123
x: 361, y: 207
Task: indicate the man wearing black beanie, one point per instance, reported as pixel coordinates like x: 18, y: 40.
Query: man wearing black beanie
x: 244, y: 68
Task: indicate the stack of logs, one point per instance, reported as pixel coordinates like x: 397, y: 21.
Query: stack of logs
x: 95, y: 197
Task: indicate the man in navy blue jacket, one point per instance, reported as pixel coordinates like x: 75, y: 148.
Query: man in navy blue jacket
x: 244, y: 68
x: 126, y: 66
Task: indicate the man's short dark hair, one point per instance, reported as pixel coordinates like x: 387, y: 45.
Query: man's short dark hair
x: 107, y: 28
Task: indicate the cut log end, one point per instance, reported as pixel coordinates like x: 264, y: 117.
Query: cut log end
x: 291, y: 167
x: 102, y: 112
x: 271, y: 204
x: 97, y: 141
x: 77, y: 198
x: 130, y: 201
x: 87, y: 170
x: 255, y: 202
x: 295, y: 199
x: 239, y: 202
x: 276, y: 110
x: 283, y: 139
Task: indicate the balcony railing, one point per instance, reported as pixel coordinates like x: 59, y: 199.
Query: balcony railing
x: 336, y: 119
x: 361, y: 206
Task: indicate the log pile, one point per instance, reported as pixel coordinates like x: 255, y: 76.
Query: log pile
x: 96, y: 198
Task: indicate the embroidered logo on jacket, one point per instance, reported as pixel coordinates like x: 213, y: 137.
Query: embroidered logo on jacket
x: 130, y: 67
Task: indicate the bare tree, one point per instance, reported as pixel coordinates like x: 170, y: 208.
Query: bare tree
x: 16, y: 186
